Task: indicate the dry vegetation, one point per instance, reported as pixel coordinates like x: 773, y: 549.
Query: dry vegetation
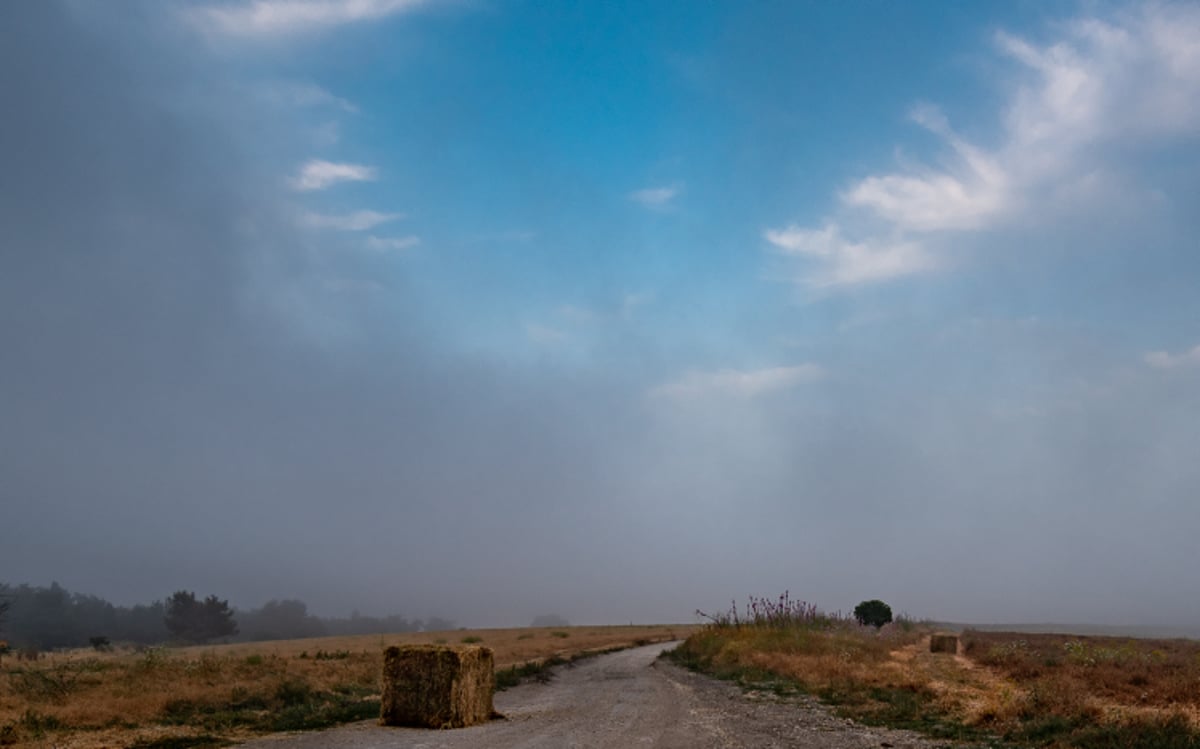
x: 1003, y: 689
x: 163, y: 698
x: 1095, y: 689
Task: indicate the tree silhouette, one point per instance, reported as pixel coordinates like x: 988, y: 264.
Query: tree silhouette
x: 195, y: 621
x: 873, y: 612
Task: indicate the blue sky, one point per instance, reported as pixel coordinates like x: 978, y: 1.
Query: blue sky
x: 706, y: 296
x: 726, y: 172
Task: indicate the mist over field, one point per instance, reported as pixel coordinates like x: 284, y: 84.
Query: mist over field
x: 495, y: 310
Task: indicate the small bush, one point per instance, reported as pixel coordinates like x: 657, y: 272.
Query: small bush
x: 874, y: 613
x: 37, y: 724
x: 471, y: 640
x: 292, y: 692
x: 47, y: 685
x: 783, y: 613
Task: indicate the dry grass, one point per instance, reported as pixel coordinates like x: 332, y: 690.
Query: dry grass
x: 1091, y: 680
x: 837, y: 659
x: 84, y: 699
x: 1030, y: 690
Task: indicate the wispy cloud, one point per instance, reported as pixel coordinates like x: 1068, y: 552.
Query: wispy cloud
x: 1136, y: 78
x: 357, y: 221
x: 300, y: 94
x: 318, y: 175
x: 656, y: 197
x: 545, y: 334
x: 842, y: 262
x: 279, y: 17
x: 1167, y: 360
x: 968, y: 195
x: 738, y: 383
x: 392, y: 244
x: 576, y: 314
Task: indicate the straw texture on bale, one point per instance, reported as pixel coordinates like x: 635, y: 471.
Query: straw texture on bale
x: 437, y: 686
x: 943, y: 644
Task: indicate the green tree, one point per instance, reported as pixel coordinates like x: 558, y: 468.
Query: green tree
x: 198, y: 621
x: 874, y: 612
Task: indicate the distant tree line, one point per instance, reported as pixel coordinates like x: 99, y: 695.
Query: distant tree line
x: 53, y: 617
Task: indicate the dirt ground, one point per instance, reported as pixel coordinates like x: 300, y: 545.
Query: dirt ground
x: 621, y: 700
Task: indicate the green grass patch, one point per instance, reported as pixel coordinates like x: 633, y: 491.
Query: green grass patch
x: 294, y: 705
x: 539, y: 671
x: 542, y: 671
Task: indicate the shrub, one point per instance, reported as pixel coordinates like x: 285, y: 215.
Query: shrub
x: 772, y: 614
x: 875, y: 613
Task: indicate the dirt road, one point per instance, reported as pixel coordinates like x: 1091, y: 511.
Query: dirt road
x: 623, y: 700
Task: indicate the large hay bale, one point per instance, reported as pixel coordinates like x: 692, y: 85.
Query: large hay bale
x: 437, y: 686
x: 943, y: 644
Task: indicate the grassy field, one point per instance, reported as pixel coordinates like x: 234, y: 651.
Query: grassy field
x: 1002, y: 689
x: 172, y: 698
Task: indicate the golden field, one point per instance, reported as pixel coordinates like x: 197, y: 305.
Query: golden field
x: 173, y: 698
x: 1005, y: 689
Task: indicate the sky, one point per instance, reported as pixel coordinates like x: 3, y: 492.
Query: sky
x: 487, y: 309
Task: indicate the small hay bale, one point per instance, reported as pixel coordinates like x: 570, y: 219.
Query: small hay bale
x: 943, y: 644
x: 437, y: 686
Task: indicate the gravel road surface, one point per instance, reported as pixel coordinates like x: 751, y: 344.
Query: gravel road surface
x: 624, y: 700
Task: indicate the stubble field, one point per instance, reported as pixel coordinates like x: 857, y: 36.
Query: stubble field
x: 173, y: 698
x: 1001, y: 689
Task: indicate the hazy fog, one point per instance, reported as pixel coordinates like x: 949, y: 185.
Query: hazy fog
x: 612, y: 394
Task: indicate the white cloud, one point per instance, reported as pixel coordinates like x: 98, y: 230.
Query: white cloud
x: 841, y: 262
x: 738, y: 383
x: 279, y: 17
x: 318, y: 174
x: 967, y: 196
x: 1135, y: 78
x: 656, y: 197
x: 392, y: 244
x: 357, y: 221
x: 1166, y: 360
